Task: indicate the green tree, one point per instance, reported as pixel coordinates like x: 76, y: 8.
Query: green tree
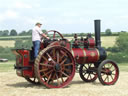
x: 13, y: 32
x: 1, y: 33
x: 29, y: 32
x: 5, y: 33
x: 122, y: 42
x: 108, y: 32
x: 119, y: 52
x: 23, y: 33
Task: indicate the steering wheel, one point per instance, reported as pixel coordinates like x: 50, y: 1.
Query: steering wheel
x: 55, y: 32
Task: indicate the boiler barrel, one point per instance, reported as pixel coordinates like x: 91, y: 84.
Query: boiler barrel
x: 85, y: 55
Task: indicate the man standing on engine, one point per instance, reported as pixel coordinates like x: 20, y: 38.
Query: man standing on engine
x: 37, y: 34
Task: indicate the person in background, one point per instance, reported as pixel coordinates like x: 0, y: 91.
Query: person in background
x: 37, y: 34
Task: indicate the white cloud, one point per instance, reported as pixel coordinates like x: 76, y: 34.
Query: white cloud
x: 20, y: 4
x: 8, y: 14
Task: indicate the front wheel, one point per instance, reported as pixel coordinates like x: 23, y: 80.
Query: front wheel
x: 88, y: 72
x: 108, y: 72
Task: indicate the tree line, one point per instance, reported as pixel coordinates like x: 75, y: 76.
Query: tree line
x: 13, y: 32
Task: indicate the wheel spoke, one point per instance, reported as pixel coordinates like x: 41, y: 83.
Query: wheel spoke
x: 49, y: 78
x: 106, y: 78
x: 112, y: 77
x: 88, y: 76
x: 63, y: 61
x: 64, y: 53
x: 51, y: 58
x: 113, y: 74
x: 42, y: 70
x: 68, y: 70
x: 68, y: 64
x: 34, y: 79
x: 103, y: 74
x: 113, y: 70
x: 45, y: 58
x: 47, y: 65
x: 57, y: 79
x: 90, y: 65
x: 110, y: 66
x: 85, y: 67
x: 47, y: 73
x: 84, y: 74
x: 53, y: 76
x: 53, y: 53
x: 62, y: 79
x: 57, y: 56
x: 64, y: 74
x: 61, y: 57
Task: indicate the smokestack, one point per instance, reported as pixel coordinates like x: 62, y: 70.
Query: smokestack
x: 97, y: 33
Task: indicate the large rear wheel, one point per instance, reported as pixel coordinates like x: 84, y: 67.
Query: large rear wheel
x: 55, y: 67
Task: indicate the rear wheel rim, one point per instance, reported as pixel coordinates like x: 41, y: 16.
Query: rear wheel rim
x: 55, y: 67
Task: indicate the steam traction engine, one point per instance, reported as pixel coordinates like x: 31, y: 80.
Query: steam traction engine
x: 55, y: 65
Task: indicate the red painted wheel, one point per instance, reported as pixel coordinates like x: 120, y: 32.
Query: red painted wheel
x: 88, y: 72
x: 32, y: 80
x: 108, y: 72
x: 55, y: 67
x: 56, y: 33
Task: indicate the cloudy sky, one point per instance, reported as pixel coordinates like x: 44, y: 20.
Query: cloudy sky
x: 66, y: 16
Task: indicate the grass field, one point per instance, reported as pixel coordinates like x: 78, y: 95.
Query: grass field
x: 7, y: 43
x: 107, y: 41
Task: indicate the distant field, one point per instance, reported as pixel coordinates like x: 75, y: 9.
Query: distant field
x: 7, y: 43
x: 107, y: 41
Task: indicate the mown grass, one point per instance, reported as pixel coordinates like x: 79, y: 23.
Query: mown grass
x: 8, y: 43
x: 108, y: 41
x: 9, y: 66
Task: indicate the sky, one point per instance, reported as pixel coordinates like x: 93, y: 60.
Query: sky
x: 65, y: 16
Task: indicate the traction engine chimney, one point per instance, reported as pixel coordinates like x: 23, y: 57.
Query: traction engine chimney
x: 97, y: 33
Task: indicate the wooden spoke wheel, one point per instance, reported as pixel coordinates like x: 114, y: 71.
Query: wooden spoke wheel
x: 32, y: 80
x: 108, y: 72
x: 88, y: 72
x: 55, y: 67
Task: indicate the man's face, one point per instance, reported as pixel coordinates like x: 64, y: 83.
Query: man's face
x: 39, y: 25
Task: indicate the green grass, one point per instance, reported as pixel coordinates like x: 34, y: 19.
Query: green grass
x: 7, y: 43
x: 123, y: 67
x: 7, y: 66
x: 15, y: 37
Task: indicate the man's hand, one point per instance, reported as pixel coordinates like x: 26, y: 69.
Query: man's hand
x: 44, y: 35
x: 47, y: 37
